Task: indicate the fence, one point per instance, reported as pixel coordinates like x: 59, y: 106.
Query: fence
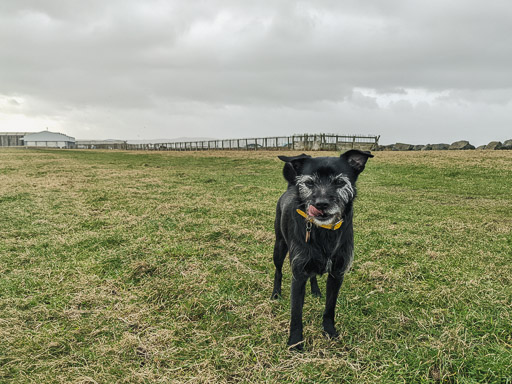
x: 306, y: 142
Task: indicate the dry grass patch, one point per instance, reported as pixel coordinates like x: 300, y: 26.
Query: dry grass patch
x: 136, y: 267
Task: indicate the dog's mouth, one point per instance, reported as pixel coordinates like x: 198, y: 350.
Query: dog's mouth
x: 314, y: 211
x: 318, y: 213
x: 323, y: 216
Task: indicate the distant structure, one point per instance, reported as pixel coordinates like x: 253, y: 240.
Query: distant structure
x: 12, y: 139
x: 299, y: 142
x: 101, y: 144
x: 48, y: 139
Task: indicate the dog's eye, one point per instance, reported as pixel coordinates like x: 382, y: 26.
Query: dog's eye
x: 309, y: 184
x: 339, y: 182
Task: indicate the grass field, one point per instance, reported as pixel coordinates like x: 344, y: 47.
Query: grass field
x: 134, y: 267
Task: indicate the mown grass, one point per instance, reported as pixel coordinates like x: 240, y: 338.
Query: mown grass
x: 133, y: 267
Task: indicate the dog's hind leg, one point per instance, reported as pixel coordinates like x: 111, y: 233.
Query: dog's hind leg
x: 315, y: 290
x: 331, y: 296
x: 280, y: 250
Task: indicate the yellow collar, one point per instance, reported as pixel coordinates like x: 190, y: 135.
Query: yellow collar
x: 326, y: 226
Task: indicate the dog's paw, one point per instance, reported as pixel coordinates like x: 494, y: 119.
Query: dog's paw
x: 296, y: 346
x: 331, y: 334
x: 295, y: 341
x: 275, y: 296
x: 317, y: 294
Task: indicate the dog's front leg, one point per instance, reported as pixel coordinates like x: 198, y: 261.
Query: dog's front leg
x: 297, y: 302
x: 331, y: 294
x: 280, y: 250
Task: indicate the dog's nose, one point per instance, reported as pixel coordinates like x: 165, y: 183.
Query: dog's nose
x: 321, y: 204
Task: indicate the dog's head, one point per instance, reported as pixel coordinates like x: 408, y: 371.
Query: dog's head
x: 325, y: 185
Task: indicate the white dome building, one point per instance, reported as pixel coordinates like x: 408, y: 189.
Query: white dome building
x: 49, y: 139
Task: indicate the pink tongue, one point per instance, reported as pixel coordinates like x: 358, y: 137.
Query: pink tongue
x: 313, y: 212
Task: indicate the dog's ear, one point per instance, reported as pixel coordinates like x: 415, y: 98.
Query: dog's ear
x: 356, y: 159
x: 291, y: 159
x: 293, y: 166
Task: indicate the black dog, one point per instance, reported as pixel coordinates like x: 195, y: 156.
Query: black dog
x: 314, y: 224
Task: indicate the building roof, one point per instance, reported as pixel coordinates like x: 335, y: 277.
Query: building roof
x: 14, y: 133
x: 48, y: 136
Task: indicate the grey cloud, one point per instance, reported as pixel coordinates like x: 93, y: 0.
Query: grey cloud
x: 364, y: 101
x: 14, y: 102
x: 230, y: 59
x: 482, y: 96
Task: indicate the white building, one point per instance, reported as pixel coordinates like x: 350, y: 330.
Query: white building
x: 48, y: 139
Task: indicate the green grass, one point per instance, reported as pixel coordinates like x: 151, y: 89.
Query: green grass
x: 136, y: 267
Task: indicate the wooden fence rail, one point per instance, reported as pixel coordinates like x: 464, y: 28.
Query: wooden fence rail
x: 306, y: 142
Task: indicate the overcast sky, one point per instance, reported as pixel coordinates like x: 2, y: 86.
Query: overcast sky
x: 410, y: 71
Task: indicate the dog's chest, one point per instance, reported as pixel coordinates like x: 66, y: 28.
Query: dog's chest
x: 323, y: 253
x: 318, y: 264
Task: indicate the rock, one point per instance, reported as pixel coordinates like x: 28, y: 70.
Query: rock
x: 440, y: 147
x: 480, y: 147
x: 386, y: 147
x: 461, y: 145
x: 402, y: 147
x: 493, y: 145
x: 507, y: 144
x: 427, y: 147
